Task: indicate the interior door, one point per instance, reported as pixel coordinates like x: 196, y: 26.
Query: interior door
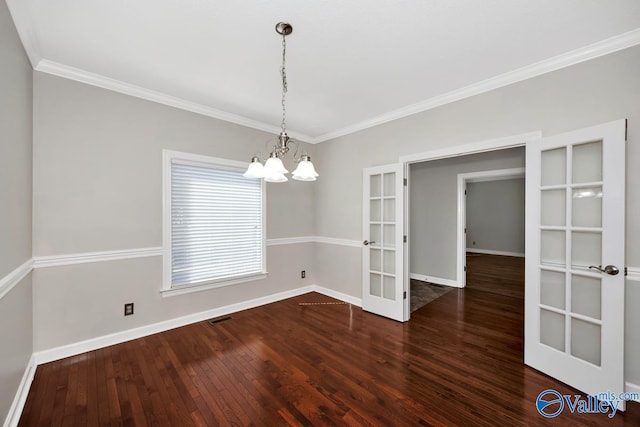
x: 575, y: 230
x: 383, y: 290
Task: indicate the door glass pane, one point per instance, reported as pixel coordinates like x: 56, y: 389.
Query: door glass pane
x: 375, y: 285
x: 553, y: 210
x: 552, y: 245
x: 375, y: 260
x: 585, y: 341
x: 586, y: 296
x: 587, y: 207
x: 389, y: 235
x: 554, y: 167
x: 587, y: 162
x: 586, y: 249
x: 552, y: 329
x: 389, y: 210
x: 376, y: 210
x: 376, y: 185
x: 389, y: 262
x: 375, y: 234
x: 389, y: 287
x: 552, y: 290
x: 389, y: 184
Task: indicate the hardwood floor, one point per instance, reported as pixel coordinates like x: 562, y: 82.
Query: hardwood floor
x: 502, y: 275
x: 457, y: 362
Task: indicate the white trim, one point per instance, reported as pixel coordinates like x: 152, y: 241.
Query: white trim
x: 9, y: 281
x: 595, y: 50
x: 19, y: 10
x: 290, y: 240
x: 633, y: 274
x: 86, y: 257
x: 143, y: 331
x: 335, y: 241
x: 455, y: 150
x: 169, y: 158
x: 435, y: 280
x: 189, y: 289
x: 79, y: 75
x: 61, y: 352
x: 632, y: 388
x: 15, y: 411
x: 337, y: 295
x: 492, y: 252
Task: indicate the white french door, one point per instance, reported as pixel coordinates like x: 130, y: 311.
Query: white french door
x: 383, y: 290
x: 575, y: 232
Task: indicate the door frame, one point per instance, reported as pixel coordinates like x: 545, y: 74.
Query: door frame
x: 463, y: 179
x: 483, y: 146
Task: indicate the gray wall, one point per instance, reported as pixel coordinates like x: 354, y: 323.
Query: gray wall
x: 433, y: 202
x: 589, y: 93
x: 98, y: 187
x: 495, y: 216
x: 15, y: 208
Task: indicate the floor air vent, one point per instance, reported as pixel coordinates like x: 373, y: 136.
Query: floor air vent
x: 219, y: 320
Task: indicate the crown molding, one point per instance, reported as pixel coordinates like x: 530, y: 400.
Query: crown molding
x: 21, y: 16
x: 595, y: 50
x: 82, y: 76
x: 19, y: 10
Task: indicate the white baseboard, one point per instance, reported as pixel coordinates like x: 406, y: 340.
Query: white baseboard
x: 15, y: 411
x: 435, y: 280
x: 143, y: 331
x: 633, y: 388
x: 492, y: 252
x: 337, y: 295
x: 68, y: 350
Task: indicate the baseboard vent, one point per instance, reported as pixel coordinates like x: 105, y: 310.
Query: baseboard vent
x: 219, y: 320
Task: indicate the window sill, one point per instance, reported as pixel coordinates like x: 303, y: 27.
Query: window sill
x: 187, y: 289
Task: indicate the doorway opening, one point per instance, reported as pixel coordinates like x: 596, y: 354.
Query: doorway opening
x: 491, y: 229
x: 433, y: 256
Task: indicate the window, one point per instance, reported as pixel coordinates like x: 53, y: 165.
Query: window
x: 213, y: 225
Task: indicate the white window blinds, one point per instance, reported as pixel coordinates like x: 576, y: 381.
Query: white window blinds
x: 216, y: 224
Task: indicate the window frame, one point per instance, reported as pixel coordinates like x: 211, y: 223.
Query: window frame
x: 170, y: 157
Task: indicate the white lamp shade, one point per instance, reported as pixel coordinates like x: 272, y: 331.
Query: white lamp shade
x: 255, y: 170
x: 274, y: 166
x: 277, y: 177
x: 305, y: 171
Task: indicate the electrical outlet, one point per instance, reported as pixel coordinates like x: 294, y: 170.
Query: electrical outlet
x: 128, y: 309
x: 303, y: 274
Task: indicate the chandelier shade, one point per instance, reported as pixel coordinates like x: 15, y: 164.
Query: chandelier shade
x: 255, y: 169
x: 305, y: 170
x: 274, y: 169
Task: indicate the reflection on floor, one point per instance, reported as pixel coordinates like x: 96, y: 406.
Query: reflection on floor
x: 422, y: 293
x: 502, y: 275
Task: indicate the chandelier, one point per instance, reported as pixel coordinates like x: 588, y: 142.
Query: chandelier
x: 273, y: 169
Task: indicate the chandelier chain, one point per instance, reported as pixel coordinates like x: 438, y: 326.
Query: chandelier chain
x: 283, y: 73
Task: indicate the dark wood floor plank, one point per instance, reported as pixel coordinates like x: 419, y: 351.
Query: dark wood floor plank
x: 458, y: 362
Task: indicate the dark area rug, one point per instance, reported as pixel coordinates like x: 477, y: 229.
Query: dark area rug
x: 422, y: 293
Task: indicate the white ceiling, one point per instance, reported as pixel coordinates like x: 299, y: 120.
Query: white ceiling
x: 351, y: 64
